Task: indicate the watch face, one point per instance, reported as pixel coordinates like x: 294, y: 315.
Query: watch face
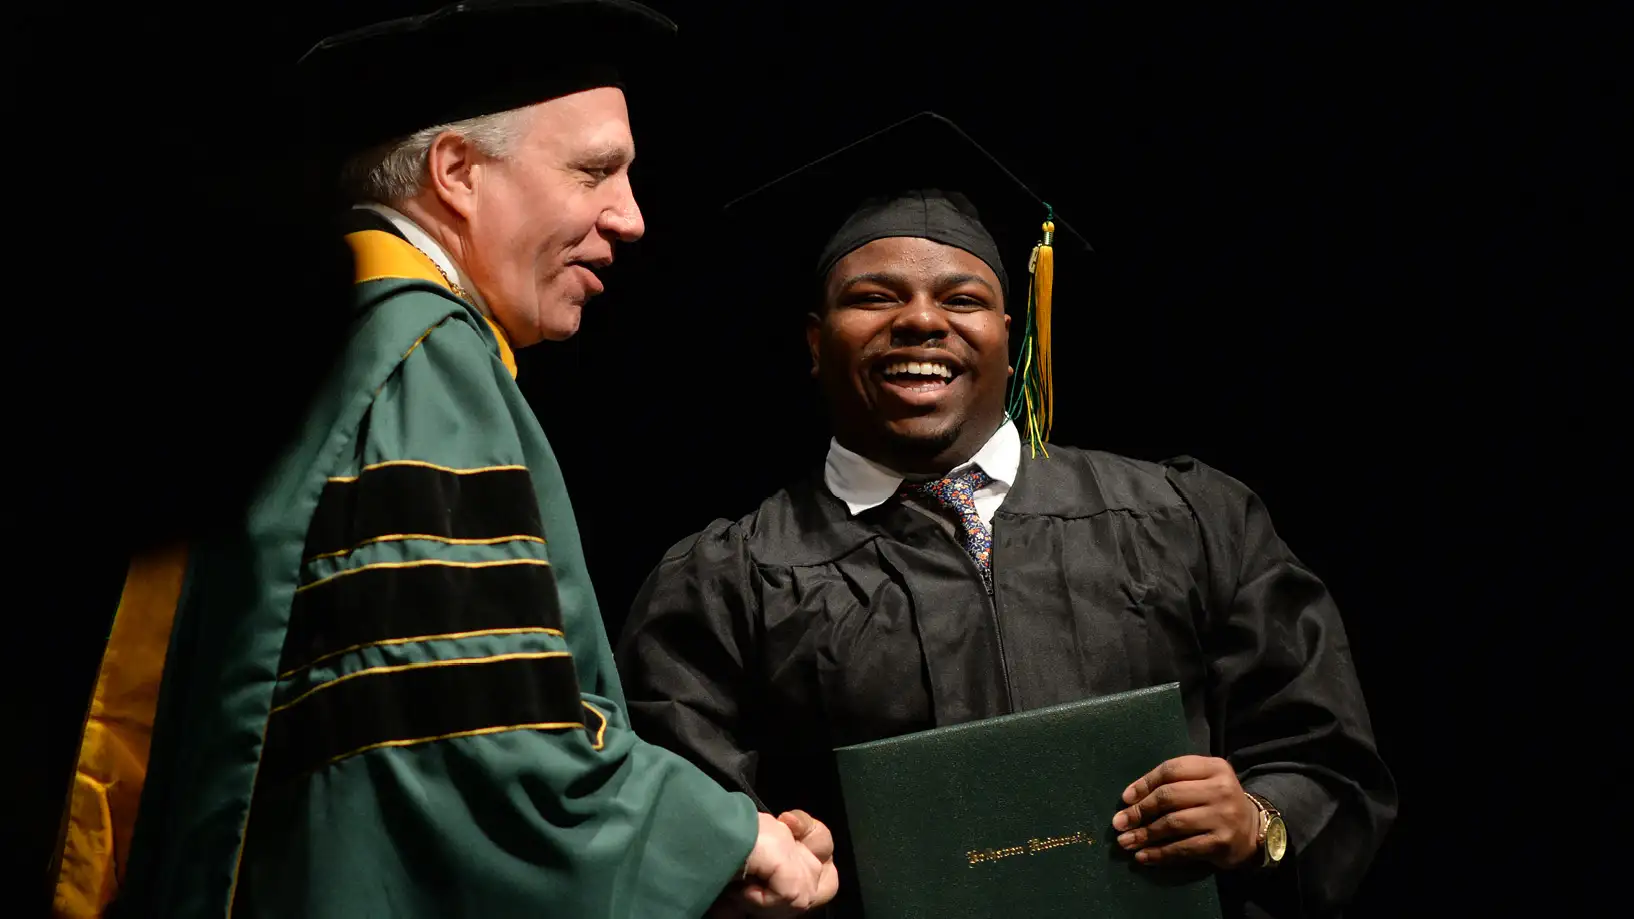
x: 1276, y: 839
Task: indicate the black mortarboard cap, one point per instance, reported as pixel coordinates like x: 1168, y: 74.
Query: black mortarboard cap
x: 372, y: 85
x: 921, y: 177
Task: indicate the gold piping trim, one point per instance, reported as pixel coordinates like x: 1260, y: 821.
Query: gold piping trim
x: 421, y: 665
x: 537, y: 726
x: 373, y: 466
x: 445, y: 540
x: 418, y: 341
x: 601, y: 733
x: 445, y: 636
x: 420, y: 564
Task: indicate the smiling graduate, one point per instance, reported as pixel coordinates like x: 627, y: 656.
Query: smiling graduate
x: 944, y: 562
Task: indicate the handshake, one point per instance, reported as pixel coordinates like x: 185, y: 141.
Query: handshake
x: 789, y: 871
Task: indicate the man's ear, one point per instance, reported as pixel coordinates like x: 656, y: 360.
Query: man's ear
x: 452, y: 166
x: 814, y: 331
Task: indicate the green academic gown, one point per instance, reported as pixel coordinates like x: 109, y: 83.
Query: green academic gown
x: 389, y: 691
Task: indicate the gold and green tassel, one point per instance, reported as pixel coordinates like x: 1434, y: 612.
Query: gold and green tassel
x: 1032, y: 392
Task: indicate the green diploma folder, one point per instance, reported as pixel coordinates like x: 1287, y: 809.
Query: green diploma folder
x: 1011, y: 817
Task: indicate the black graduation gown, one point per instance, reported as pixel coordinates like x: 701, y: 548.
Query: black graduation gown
x: 757, y: 646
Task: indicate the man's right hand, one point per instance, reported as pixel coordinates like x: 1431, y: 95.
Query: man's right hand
x: 790, y: 870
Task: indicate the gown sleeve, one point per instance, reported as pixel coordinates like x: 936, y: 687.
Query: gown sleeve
x: 1286, y: 701
x: 685, y: 655
x: 434, y: 748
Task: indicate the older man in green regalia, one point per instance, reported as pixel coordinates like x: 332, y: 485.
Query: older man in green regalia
x: 389, y: 691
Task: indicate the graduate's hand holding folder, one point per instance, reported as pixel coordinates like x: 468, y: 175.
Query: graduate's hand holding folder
x: 1189, y: 807
x: 1017, y: 815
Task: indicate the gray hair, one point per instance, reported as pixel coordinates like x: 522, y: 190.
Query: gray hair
x: 398, y: 170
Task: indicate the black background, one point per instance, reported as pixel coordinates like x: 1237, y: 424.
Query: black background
x: 1355, y: 257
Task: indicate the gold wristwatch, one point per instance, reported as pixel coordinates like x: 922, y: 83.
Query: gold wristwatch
x: 1273, y: 841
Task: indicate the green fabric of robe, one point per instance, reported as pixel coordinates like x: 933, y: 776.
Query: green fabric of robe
x: 390, y: 693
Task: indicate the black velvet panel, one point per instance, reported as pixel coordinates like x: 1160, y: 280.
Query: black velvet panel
x: 381, y: 604
x: 424, y: 702
x: 423, y: 500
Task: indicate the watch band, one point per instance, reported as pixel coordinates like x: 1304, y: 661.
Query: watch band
x: 1267, y: 813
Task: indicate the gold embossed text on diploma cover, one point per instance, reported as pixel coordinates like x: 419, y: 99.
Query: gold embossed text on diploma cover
x: 1011, y: 817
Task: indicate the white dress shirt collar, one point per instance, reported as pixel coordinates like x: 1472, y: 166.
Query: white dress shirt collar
x: 862, y: 483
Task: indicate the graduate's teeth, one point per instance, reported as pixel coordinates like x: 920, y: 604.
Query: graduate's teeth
x: 919, y: 369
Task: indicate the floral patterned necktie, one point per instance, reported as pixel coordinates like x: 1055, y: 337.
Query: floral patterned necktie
x: 958, y: 494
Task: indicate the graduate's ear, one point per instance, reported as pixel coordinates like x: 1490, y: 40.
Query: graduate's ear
x: 814, y: 329
x: 449, y: 163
